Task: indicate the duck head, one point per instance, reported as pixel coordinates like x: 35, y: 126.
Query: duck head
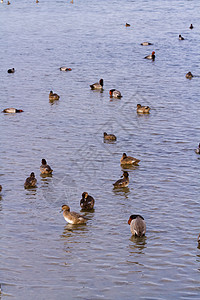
x: 44, y: 162
x: 132, y: 217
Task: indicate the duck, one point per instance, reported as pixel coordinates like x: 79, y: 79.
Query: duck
x: 191, y: 26
x: 198, y: 150
x: 143, y: 109
x: 12, y: 110
x: 0, y: 188
x: 37, y: 1
x: 73, y: 217
x: 115, y: 94
x: 146, y: 44
x: 65, y: 69
x: 8, y: 3
x: 53, y: 96
x: 124, y: 182
x: 189, y: 75
x: 11, y: 70
x: 137, y: 225
x: 30, y: 181
x: 109, y: 137
x: 128, y: 160
x: 127, y: 25
x: 44, y: 168
x: 151, y: 56
x: 97, y: 85
x: 180, y: 37
x: 87, y: 201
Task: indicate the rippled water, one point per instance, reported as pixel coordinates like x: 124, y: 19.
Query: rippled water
x: 41, y: 256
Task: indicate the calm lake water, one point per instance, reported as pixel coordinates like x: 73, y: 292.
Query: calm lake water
x: 41, y: 256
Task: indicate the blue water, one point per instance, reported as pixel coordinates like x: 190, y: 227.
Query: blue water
x: 41, y: 256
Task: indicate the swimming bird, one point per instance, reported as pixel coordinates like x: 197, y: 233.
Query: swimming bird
x: 11, y: 70
x: 53, y: 96
x: 72, y: 217
x: 191, y: 26
x: 87, y: 201
x: 146, y: 44
x: 180, y: 37
x: 142, y: 109
x: 198, y: 150
x: 122, y: 182
x: 128, y: 160
x: 12, y: 110
x: 65, y: 69
x: 97, y: 85
x: 30, y: 181
x: 44, y: 168
x: 109, y: 137
x: 137, y: 225
x: 37, y: 1
x: 127, y: 25
x: 151, y: 56
x: 8, y: 3
x: 189, y: 75
x: 115, y: 93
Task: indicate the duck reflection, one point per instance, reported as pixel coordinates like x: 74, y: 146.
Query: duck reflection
x: 129, y: 167
x: 69, y: 229
x: 122, y: 192
x: 139, y: 243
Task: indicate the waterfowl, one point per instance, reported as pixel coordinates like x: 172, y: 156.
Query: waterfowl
x: 151, y: 56
x: 142, y: 109
x: 44, y: 168
x: 128, y: 160
x: 137, y: 225
x: 87, y: 201
x: 8, y: 3
x: 109, y: 137
x: 30, y: 181
x: 12, y: 110
x: 37, y: 1
x: 191, y: 26
x: 189, y: 75
x: 115, y: 94
x: 122, y: 182
x: 97, y: 85
x: 180, y: 37
x: 11, y: 70
x: 146, y: 44
x: 72, y: 217
x: 198, y: 150
x: 65, y: 69
x: 0, y: 188
x: 127, y: 25
x: 53, y: 96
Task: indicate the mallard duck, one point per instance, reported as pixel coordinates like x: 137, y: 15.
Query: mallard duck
x: 72, y: 217
x: 146, y: 44
x: 180, y: 37
x: 191, y: 26
x: 12, y: 110
x: 128, y: 160
x: 137, y: 225
x: 151, y: 56
x: 44, y: 168
x: 109, y: 137
x: 142, y: 109
x: 53, y: 96
x: 87, y: 201
x: 30, y: 181
x: 122, y: 182
x: 65, y: 69
x: 11, y: 70
x: 115, y: 94
x: 97, y: 85
x: 198, y: 150
x: 189, y: 75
